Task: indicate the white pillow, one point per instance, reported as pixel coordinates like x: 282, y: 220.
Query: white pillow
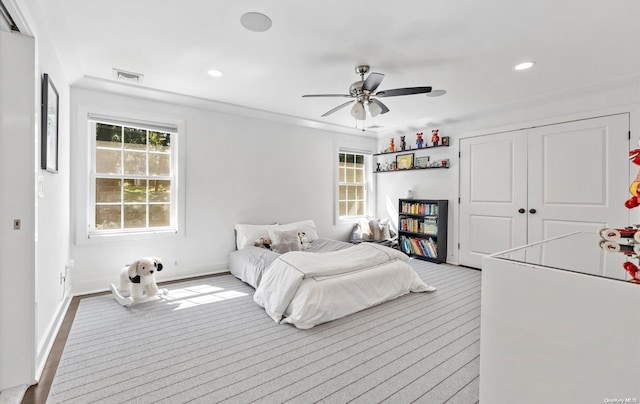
x: 308, y: 227
x: 283, y: 236
x: 285, y: 247
x: 285, y: 240
x: 247, y: 234
x: 380, y: 229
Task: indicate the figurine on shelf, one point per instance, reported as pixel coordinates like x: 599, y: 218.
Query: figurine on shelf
x: 378, y: 167
x: 419, y: 140
x: 392, y: 145
x: 403, y: 144
x: 434, y: 137
x: 634, y: 201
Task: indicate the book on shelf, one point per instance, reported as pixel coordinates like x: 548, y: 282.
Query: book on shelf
x: 419, y: 246
x: 419, y: 208
x: 426, y: 226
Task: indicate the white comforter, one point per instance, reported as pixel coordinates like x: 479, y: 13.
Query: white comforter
x: 306, y: 289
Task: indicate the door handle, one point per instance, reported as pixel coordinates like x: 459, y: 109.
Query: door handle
x: 532, y: 211
x: 521, y: 210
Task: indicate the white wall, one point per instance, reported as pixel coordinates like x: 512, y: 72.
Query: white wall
x: 52, y: 208
x: 610, y: 97
x: 17, y: 161
x: 238, y: 170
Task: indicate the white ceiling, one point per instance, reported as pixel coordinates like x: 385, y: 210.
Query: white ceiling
x: 466, y: 47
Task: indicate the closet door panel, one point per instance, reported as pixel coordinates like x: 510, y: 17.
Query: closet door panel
x: 492, y: 191
x: 578, y: 176
x: 578, y: 181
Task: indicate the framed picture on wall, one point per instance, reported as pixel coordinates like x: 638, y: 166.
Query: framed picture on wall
x: 422, y: 161
x: 445, y: 140
x: 49, y: 127
x: 404, y: 161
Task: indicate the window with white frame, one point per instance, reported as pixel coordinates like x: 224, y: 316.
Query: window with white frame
x: 352, y: 185
x: 133, y: 183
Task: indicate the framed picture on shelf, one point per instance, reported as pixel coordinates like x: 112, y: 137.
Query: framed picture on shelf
x: 422, y: 161
x: 49, y: 127
x: 445, y: 140
x: 404, y: 161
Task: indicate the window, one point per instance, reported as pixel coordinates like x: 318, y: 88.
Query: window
x: 133, y: 178
x: 352, y: 185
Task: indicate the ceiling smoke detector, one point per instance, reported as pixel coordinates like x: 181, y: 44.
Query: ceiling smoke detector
x: 127, y: 76
x: 256, y: 22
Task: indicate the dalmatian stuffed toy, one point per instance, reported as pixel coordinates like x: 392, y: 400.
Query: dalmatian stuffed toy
x: 138, y: 282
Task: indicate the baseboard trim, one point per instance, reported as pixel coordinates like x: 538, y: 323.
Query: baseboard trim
x: 168, y: 275
x: 45, y: 347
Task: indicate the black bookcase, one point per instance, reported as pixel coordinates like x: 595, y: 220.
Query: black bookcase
x: 422, y: 228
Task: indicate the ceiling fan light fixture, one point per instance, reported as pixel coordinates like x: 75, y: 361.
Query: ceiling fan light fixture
x: 358, y: 111
x: 374, y: 109
x: 256, y: 22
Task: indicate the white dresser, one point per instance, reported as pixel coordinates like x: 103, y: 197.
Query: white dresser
x: 557, y: 327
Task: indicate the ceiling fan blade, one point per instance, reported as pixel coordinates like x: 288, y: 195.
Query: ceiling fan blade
x: 377, y: 107
x: 372, y: 82
x: 328, y: 95
x: 337, y: 108
x: 358, y: 111
x: 403, y: 91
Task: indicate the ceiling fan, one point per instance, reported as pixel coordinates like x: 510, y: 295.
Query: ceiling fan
x: 362, y: 92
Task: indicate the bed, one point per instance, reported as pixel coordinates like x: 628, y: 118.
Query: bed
x: 321, y: 281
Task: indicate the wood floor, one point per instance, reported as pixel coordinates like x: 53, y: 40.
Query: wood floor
x: 38, y: 393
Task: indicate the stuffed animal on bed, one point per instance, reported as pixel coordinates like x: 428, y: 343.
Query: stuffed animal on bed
x: 264, y: 242
x: 138, y: 281
x: 304, y: 241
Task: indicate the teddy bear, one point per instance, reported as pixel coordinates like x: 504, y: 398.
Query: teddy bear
x: 304, y: 241
x: 419, y: 140
x: 434, y: 137
x: 138, y: 282
x: 263, y: 242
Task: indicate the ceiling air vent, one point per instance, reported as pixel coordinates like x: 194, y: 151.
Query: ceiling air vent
x: 127, y: 76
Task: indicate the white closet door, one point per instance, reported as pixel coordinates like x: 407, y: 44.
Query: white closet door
x: 574, y: 175
x: 578, y: 181
x: 493, y: 188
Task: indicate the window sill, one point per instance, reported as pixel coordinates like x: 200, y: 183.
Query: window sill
x: 96, y: 237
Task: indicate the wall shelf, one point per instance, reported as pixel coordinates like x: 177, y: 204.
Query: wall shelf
x: 411, y: 150
x: 407, y: 169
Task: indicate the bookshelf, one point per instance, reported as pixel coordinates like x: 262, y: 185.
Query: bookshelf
x: 422, y: 228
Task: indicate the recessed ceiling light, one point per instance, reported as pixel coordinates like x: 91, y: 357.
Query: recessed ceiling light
x: 524, y: 65
x: 215, y: 73
x: 255, y: 22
